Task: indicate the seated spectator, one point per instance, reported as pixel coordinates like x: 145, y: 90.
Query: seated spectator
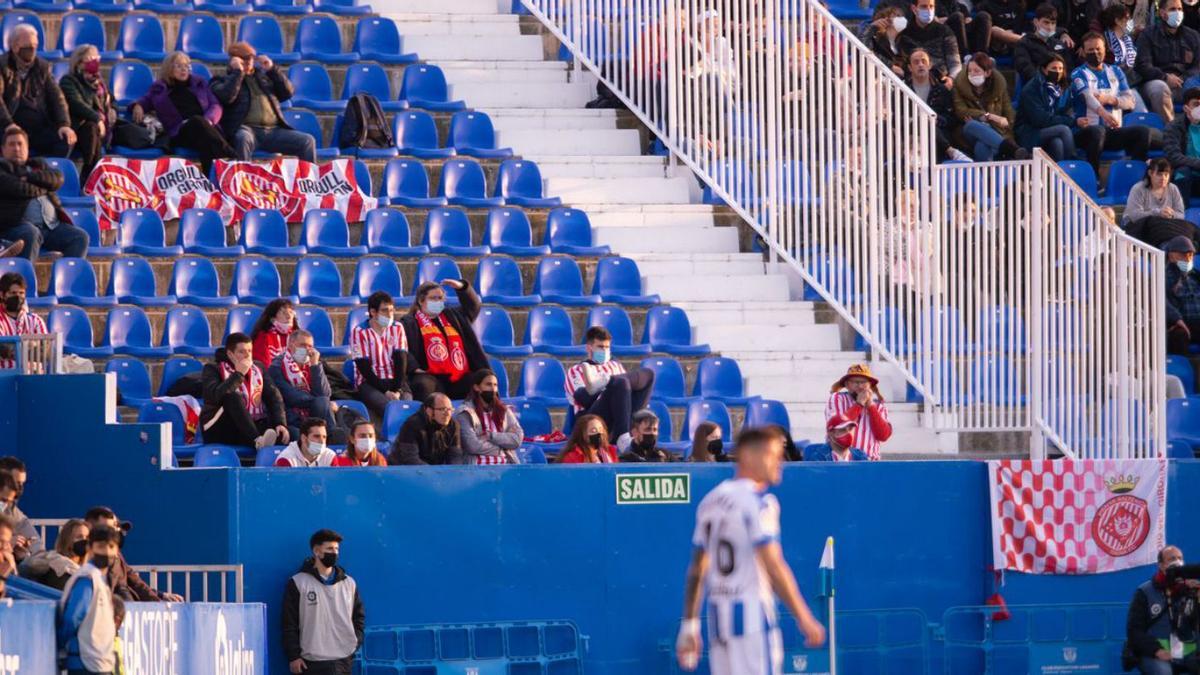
x: 1045, y: 114
x: 883, y: 37
x: 361, y: 451
x: 839, y: 436
x: 271, y: 330
x: 87, y: 631
x: 599, y: 385
x: 379, y: 348
x: 250, y: 91
x: 443, y: 348
x: 27, y: 541
x: 856, y: 396
x: 588, y: 443
x: 1183, y: 296
x: 926, y: 32
x: 644, y: 440
x: 1033, y: 51
x: 31, y: 99
x: 429, y: 436
x: 188, y: 110
x: 90, y: 106
x: 707, y: 444
x: 16, y: 319
x: 124, y: 582
x: 54, y: 567
x: 489, y: 430
x: 717, y: 61
x: 1155, y: 211
x: 1167, y: 59
x: 1008, y: 22
x: 8, y: 560
x: 299, y: 376
x: 1181, y: 147
x: 30, y: 211
x: 1101, y: 98
x: 1117, y: 25
x: 936, y: 89
x: 981, y: 101
x: 310, y: 448
x: 241, y: 405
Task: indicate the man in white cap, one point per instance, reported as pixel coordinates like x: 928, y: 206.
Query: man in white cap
x: 856, y: 397
x: 1183, y: 295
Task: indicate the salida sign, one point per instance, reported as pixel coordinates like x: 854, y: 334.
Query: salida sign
x: 654, y: 488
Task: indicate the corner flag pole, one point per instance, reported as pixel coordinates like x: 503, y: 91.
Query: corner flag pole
x: 827, y: 590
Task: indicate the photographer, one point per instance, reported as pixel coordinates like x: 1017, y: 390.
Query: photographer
x: 1161, y: 628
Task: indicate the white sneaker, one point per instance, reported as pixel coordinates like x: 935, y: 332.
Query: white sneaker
x: 266, y: 440
x: 623, y: 443
x: 958, y: 155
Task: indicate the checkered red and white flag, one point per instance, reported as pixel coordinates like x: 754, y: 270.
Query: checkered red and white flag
x: 293, y: 187
x: 1077, y: 516
x: 169, y: 185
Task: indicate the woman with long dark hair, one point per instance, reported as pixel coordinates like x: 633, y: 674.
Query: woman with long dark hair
x: 489, y: 429
x: 271, y: 330
x: 707, y: 444
x: 588, y: 443
x: 1155, y: 212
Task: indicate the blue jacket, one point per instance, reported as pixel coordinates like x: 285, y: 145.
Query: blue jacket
x: 821, y: 452
x: 1039, y: 108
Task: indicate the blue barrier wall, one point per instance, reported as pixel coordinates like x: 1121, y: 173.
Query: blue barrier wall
x: 27, y: 637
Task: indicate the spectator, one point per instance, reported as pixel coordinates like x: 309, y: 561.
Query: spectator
x: 444, y: 349
x: 241, y: 405
x: 588, y: 443
x: 121, y: 578
x: 29, y: 206
x: 90, y: 106
x: 86, y: 629
x: 599, y: 385
x: 883, y: 37
x: 1167, y: 59
x: 250, y: 91
x: 1154, y: 212
x: 1032, y: 53
x: 981, y: 101
x: 1045, y: 116
x: 856, y: 395
x: 489, y: 430
x: 54, y: 567
x: 27, y: 541
x: 1183, y: 295
x: 1117, y: 25
x: 380, y: 352
x: 8, y: 560
x: 839, y: 440
x: 31, y: 97
x: 936, y: 89
x: 926, y: 32
x: 310, y: 447
x: 188, y: 110
x: 271, y: 330
x: 707, y: 444
x: 1008, y: 21
x: 361, y: 451
x: 16, y: 319
x: 716, y: 57
x: 644, y: 440
x: 323, y: 616
x: 1162, y: 620
x: 1180, y: 146
x: 300, y: 378
x: 429, y: 436
x: 1101, y: 97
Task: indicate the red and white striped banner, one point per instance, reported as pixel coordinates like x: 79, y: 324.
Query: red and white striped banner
x: 1077, y: 516
x: 293, y: 187
x: 169, y: 185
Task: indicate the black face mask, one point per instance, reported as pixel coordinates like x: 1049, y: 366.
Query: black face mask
x: 79, y: 548
x: 488, y: 397
x: 715, y: 447
x: 1093, y: 60
x: 13, y: 304
x: 100, y: 561
x: 329, y: 559
x: 594, y: 440
x: 648, y: 441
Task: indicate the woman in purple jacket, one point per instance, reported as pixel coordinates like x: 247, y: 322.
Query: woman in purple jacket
x: 187, y: 109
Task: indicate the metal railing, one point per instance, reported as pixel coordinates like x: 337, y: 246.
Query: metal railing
x: 31, y: 354
x: 967, y: 277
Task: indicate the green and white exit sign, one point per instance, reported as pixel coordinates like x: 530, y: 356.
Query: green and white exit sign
x: 654, y: 488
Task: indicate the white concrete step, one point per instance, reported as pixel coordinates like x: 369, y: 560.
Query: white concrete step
x: 582, y: 142
x: 436, y: 48
x: 549, y: 119
x: 717, y: 287
x: 622, y: 190
x: 390, y: 7
x: 905, y: 440
x: 664, y: 238
x: 769, y: 337
x: 534, y: 95
x: 458, y: 72
x: 792, y: 388
x: 585, y: 166
x: 635, y: 216
x: 811, y: 415
x: 703, y: 264
x: 455, y: 24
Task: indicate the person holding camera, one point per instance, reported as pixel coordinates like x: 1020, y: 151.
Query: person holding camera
x: 1162, y: 624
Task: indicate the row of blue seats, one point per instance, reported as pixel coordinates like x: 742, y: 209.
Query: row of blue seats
x: 223, y: 7
x: 1122, y: 176
x: 1183, y: 427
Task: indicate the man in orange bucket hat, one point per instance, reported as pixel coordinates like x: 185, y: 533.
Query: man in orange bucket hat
x: 856, y: 396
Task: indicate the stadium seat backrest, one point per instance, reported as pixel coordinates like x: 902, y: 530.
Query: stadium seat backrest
x: 187, y: 326
x: 669, y: 380
x: 131, y: 276
x: 1183, y: 420
x: 268, y: 455
x: 175, y: 368
x: 1122, y: 176
x: 1144, y: 119
x: 704, y: 410
x: 73, y: 324
x: 518, y: 177
x: 367, y: 78
x: 386, y: 227
x: 447, y: 227
x: 316, y: 321
x: 718, y: 377
x: 668, y: 326
x: 568, y: 227
x: 377, y: 273
x: 395, y: 414
x: 157, y: 413
x: 311, y: 81
x: 362, y: 176
x: 195, y: 276
x: 1181, y: 367
x: 1083, y: 174
x: 558, y: 275
x: 666, y: 429
x: 494, y: 327
x: 128, y: 326
x: 70, y: 186
x: 12, y: 19
x: 534, y: 418
x: 263, y: 32
x: 317, y: 276
x: 615, y: 320
x: 201, y: 227
x: 462, y: 178
x: 318, y: 35
x: 141, y: 32
x: 129, y: 80
x: 497, y: 367
x: 542, y: 378
x: 78, y: 29
x: 85, y: 219
x: 25, y: 268
x: 617, y: 276
x: 415, y: 129
x: 201, y: 70
x: 73, y: 276
x: 264, y: 227
x: 436, y: 268
x: 133, y: 380
x: 549, y: 325
x: 761, y: 412
x: 306, y: 122
x: 507, y: 226
x: 498, y: 275
x: 241, y: 320
x: 405, y: 178
x: 471, y: 129
x: 325, y: 227
x: 357, y: 317
x: 200, y: 33
x: 425, y: 82
x: 142, y: 227
x: 256, y: 275
x: 376, y: 34
x: 216, y: 457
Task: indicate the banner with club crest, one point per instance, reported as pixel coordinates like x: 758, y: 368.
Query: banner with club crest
x: 293, y: 187
x: 168, y: 185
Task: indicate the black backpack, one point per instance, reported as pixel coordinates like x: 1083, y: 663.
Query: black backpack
x: 365, y: 125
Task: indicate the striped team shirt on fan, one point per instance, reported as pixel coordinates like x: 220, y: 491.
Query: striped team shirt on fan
x: 873, y: 425
x: 489, y: 427
x: 26, y: 323
x: 575, y: 379
x: 366, y: 343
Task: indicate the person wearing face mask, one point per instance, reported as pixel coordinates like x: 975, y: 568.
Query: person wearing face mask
x: 884, y: 37
x: 1102, y: 97
x: 708, y: 444
x: 271, y: 330
x: 429, y: 436
x: 8, y: 560
x: 189, y: 111
x: 53, y: 568
x: 489, y: 430
x: 31, y: 214
x: 300, y: 377
x: 86, y: 630
x: 1033, y: 51
x: 250, y: 92
x: 1183, y: 295
x: 1181, y: 145
x: 323, y: 616
x: 1155, y: 212
x: 1161, y: 628
x: 588, y: 443
x: 1168, y: 59
x: 28, y: 541
x: 92, y: 109
x: 839, y: 443
x: 445, y: 350
x: 982, y: 102
x: 310, y: 449
x: 1117, y: 24
x: 361, y: 450
x: 926, y: 32
x: 31, y: 99
x: 242, y: 406
x: 16, y: 319
x: 856, y: 396
x: 644, y: 442
x: 1045, y: 114
x: 600, y: 386
x: 379, y: 348
x: 121, y: 578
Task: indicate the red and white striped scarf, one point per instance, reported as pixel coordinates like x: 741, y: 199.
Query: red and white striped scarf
x: 297, y: 375
x: 252, y: 389
x: 489, y: 427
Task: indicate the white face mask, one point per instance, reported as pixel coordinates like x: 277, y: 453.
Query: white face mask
x: 383, y: 321
x: 1194, y: 115
x: 283, y: 327
x: 1184, y: 266
x: 925, y: 16
x: 1174, y: 18
x: 899, y: 23
x: 364, y: 445
x: 977, y: 80
x: 315, y: 448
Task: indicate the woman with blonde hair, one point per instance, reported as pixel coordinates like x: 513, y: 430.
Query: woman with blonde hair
x: 54, y: 567
x: 91, y: 106
x: 187, y: 109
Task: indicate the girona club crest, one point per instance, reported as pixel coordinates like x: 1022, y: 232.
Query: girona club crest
x: 1122, y: 523
x: 119, y: 189
x: 251, y: 186
x: 438, y: 350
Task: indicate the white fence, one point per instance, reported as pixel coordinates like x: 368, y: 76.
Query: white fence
x: 1001, y: 290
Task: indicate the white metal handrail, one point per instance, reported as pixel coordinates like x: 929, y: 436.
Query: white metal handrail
x: 32, y: 354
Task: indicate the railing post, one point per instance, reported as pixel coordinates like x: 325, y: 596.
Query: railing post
x: 1036, y: 304
x: 1126, y: 404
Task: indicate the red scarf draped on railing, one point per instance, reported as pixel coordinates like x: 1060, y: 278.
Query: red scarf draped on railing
x: 443, y: 359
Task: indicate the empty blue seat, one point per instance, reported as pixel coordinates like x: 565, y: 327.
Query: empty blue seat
x: 668, y: 330
x: 619, y: 280
x: 76, y: 328
x: 495, y: 330
x: 142, y: 37
x: 534, y: 418
x: 377, y: 273
x: 519, y: 182
x: 498, y: 279
x: 312, y: 88
x: 1181, y: 367
x: 1143, y: 119
x: 319, y: 282
x: 320, y: 39
x: 569, y: 231
x: 720, y: 378
x: 1183, y: 421
x: 175, y: 368
x: 669, y: 380
x: 128, y: 332
x: 386, y: 232
x: 129, y: 81
x: 43, y: 5
x: 69, y: 193
x: 449, y: 231
x: 325, y: 232
x: 406, y: 183
x: 202, y: 232
x: 305, y: 121
x: 11, y: 19
x: 702, y: 410
x: 1180, y: 450
x: 223, y: 6
x: 1083, y: 174
x: 133, y: 380
x: 241, y: 320
x: 168, y: 413
x: 341, y: 7
x: 194, y: 281
x: 616, y: 321
x: 417, y: 135
x: 268, y: 455
x: 216, y: 457
x: 761, y: 412
x: 142, y: 232
x: 1000, y: 326
x: 264, y: 231
x: 376, y: 38
x: 543, y: 379
x: 424, y: 86
x: 131, y: 280
x: 437, y: 268
x: 73, y: 281
x: 463, y: 183
x: 316, y: 321
x: 282, y: 7
x: 163, y: 6
x: 508, y: 231
x: 256, y: 281
x: 370, y: 78
x: 559, y: 280
x: 82, y: 28
x: 472, y: 133
x: 394, y: 416
x: 200, y: 37
x: 85, y: 219
x: 1122, y: 176
x: 264, y: 32
x: 187, y: 331
x: 549, y: 331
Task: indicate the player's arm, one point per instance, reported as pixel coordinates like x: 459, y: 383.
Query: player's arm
x: 688, y: 645
x: 770, y: 556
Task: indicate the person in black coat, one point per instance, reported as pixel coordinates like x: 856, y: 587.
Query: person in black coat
x: 1178, y: 147
x: 443, y: 350
x: 1162, y: 610
x: 643, y: 442
x: 250, y: 92
x: 1045, y: 112
x: 1168, y: 59
x: 31, y: 214
x: 241, y: 404
x: 937, y: 90
x: 1035, y: 47
x: 429, y: 436
x: 926, y: 32
x: 30, y: 98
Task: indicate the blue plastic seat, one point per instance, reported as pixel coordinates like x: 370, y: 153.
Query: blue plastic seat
x: 543, y: 379
x: 357, y: 317
x: 264, y: 32
x: 619, y: 280
x: 667, y: 437
x: 128, y: 332
x: 240, y: 319
x: 406, y: 183
x: 320, y: 39
x: 24, y: 267
x: 69, y: 193
x: 463, y: 183
x: 377, y: 39
x: 703, y: 410
x: 163, y: 6
x: 202, y: 232
x: 519, y: 182
x: 1180, y: 450
x: 377, y: 273
x: 569, y: 231
x: 316, y: 321
x: 312, y: 88
x: 325, y: 232
x: 437, y: 268
x: 76, y: 328
x: 131, y: 280
x: 141, y: 37
x: 508, y: 231
x: 370, y: 78
x: 46, y: 6
x: 559, y: 280
x: 142, y: 232
x: 549, y: 331
x: 535, y: 421
x: 386, y: 232
x: 264, y: 231
x: 1183, y: 421
x: 1122, y: 176
x: 341, y: 7
x: 12, y: 18
x: 282, y: 7
x: 256, y: 281
x: 761, y: 412
x: 129, y: 81
x: 85, y: 219
x: 82, y: 28
x: 1143, y: 119
x: 159, y: 413
x: 417, y: 135
x: 1000, y: 325
x: 394, y: 416
x: 424, y: 86
x: 669, y: 380
x: 1083, y: 174
x: 498, y: 279
x: 318, y: 282
x: 1181, y: 367
x: 226, y: 7
x: 668, y: 330
x: 720, y: 378
x: 73, y: 281
x: 187, y: 331
x: 448, y: 231
x: 133, y: 380
x: 618, y: 324
x: 497, y: 367
x: 194, y: 281
x: 472, y: 134
x: 495, y: 330
x: 201, y: 37
x: 175, y: 368
x: 216, y: 457
x: 268, y: 455
x: 305, y: 121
